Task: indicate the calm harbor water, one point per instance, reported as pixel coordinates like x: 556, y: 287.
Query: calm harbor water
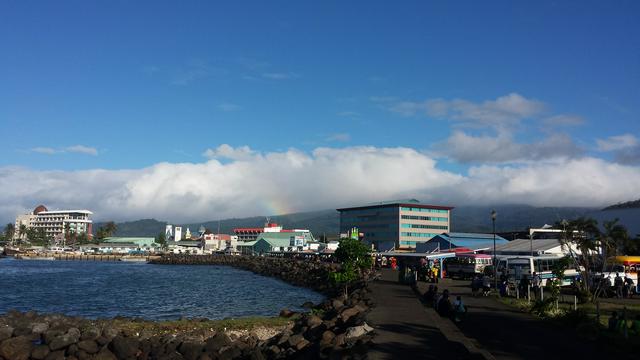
x: 156, y: 292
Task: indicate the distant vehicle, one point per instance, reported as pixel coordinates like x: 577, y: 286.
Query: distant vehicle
x: 519, y: 266
x: 467, y: 265
x: 628, y: 266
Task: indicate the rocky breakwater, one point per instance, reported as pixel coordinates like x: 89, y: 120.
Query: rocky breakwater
x: 55, y: 337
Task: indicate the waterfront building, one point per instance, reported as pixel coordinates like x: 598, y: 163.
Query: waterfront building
x: 142, y: 242
x: 185, y: 247
x: 218, y: 242
x: 56, y: 223
x: 286, y: 241
x: 398, y: 224
x: 251, y: 234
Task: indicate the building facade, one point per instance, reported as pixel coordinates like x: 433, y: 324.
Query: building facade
x: 57, y: 222
x: 251, y: 234
x: 399, y: 224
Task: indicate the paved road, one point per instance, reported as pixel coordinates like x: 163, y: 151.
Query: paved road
x: 511, y: 334
x: 404, y: 329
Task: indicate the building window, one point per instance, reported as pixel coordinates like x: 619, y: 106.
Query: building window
x: 420, y: 226
x: 424, y: 218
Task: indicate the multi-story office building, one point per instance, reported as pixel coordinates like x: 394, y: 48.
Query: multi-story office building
x: 56, y: 223
x: 399, y: 224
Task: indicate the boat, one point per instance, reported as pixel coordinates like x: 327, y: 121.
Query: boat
x: 138, y: 259
x: 12, y: 251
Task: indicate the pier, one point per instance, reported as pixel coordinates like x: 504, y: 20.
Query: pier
x: 89, y: 257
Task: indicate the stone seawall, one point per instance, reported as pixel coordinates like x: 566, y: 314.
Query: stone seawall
x: 333, y: 329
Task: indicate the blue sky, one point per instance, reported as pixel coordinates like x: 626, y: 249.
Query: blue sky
x: 128, y: 85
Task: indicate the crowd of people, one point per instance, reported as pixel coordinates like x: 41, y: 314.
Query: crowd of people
x: 621, y: 288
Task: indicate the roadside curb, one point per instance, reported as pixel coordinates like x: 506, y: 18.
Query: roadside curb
x: 451, y: 331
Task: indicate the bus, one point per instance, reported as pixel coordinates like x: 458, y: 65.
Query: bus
x: 626, y: 266
x: 467, y: 265
x: 519, y: 266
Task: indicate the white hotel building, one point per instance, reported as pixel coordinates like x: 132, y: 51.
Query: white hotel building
x: 55, y: 222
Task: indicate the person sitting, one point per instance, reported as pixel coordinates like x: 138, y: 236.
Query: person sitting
x: 458, y: 309
x: 429, y: 295
x: 444, y: 305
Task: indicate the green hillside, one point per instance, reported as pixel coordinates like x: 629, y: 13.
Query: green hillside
x: 464, y: 219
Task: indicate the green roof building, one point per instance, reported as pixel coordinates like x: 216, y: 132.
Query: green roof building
x: 276, y: 241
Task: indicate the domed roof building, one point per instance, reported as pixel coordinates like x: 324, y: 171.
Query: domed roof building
x: 39, y: 209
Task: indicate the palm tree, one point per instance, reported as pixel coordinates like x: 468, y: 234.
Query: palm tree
x: 9, y: 231
x: 110, y: 228
x: 582, y: 239
x: 67, y: 230
x: 614, y: 238
x: 22, y: 231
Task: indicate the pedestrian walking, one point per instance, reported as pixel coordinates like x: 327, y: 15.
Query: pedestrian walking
x: 618, y: 283
x: 535, y: 284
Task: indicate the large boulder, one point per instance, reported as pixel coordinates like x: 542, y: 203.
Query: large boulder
x: 190, y: 350
x: 62, y: 341
x: 5, y: 332
x: 89, y: 346
x: 16, y: 348
x: 214, y: 344
x: 105, y: 354
x: 40, y: 352
x: 357, y: 331
x: 39, y: 328
x: 124, y: 347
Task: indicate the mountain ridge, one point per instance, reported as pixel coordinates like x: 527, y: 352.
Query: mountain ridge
x: 463, y: 219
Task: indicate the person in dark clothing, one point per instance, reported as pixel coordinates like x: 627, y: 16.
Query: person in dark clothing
x: 429, y: 295
x: 445, y: 308
x: 524, y: 285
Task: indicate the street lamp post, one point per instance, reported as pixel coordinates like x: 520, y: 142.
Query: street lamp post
x: 495, y: 262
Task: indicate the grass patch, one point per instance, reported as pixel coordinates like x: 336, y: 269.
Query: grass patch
x: 190, y: 326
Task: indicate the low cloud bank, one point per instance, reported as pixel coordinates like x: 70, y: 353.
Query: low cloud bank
x: 238, y: 182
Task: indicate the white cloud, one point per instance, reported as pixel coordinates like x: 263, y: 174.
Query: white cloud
x: 563, y: 120
x: 502, y: 148
x: 81, y: 149
x: 280, y: 75
x: 44, y: 150
x: 228, y: 107
x: 343, y: 137
x: 226, y: 151
x: 618, y: 142
x: 504, y: 111
x: 288, y: 181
